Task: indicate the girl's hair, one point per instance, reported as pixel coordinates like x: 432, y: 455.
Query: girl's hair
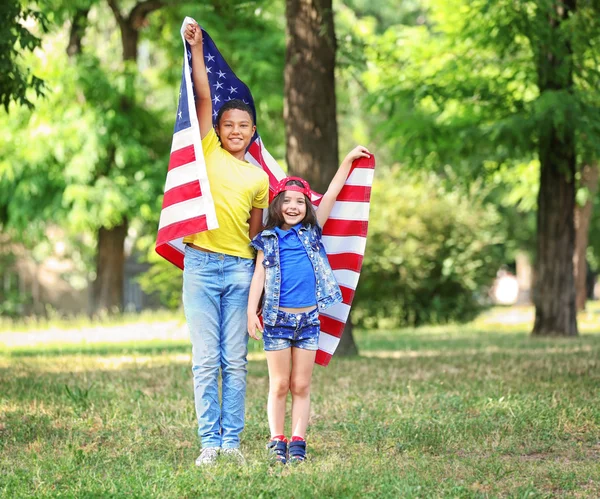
x: 235, y: 104
x: 275, y: 217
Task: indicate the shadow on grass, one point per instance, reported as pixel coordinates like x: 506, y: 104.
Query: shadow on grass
x: 447, y: 341
x: 109, y: 349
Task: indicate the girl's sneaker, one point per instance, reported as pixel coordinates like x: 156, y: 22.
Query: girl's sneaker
x: 297, y: 450
x: 278, y: 450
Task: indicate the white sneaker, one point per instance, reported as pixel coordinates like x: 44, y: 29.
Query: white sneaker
x: 234, y: 455
x: 208, y: 456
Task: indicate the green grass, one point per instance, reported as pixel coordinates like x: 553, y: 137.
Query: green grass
x: 56, y: 321
x: 481, y: 410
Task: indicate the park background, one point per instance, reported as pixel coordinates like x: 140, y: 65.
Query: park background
x: 484, y: 120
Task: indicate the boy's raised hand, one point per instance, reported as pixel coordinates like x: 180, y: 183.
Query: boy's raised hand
x: 193, y: 35
x: 357, y: 152
x: 253, y: 325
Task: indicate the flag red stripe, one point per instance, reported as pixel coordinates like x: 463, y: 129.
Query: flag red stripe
x: 182, y: 193
x: 331, y: 326
x: 182, y: 156
x: 368, y: 163
x: 354, y: 193
x: 178, y: 229
x: 171, y: 254
x: 346, y: 261
x: 347, y: 295
x: 336, y: 227
x: 322, y: 358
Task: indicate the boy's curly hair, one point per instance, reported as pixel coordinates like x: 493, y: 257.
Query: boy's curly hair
x: 235, y: 104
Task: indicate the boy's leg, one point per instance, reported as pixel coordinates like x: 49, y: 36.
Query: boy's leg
x: 234, y: 347
x: 303, y: 362
x: 201, y: 303
x: 278, y: 362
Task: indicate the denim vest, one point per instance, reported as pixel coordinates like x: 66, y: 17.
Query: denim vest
x: 327, y: 290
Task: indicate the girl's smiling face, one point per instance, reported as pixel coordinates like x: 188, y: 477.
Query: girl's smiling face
x: 235, y: 129
x: 293, y: 208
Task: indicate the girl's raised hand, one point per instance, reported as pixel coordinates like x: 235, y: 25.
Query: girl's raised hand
x: 357, y: 152
x: 193, y: 34
x: 253, y: 325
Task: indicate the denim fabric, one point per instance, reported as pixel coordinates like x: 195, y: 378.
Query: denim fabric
x: 215, y: 298
x: 327, y: 289
x: 299, y: 330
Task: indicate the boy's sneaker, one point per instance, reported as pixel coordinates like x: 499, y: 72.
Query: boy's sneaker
x: 297, y: 450
x: 278, y: 450
x: 234, y: 455
x: 208, y: 456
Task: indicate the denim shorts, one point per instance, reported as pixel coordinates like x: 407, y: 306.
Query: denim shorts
x: 299, y: 330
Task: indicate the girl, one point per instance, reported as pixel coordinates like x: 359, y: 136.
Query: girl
x: 292, y: 268
x: 218, y: 267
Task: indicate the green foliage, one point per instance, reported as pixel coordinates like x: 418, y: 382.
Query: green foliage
x: 431, y: 254
x: 15, y: 36
x: 163, y: 279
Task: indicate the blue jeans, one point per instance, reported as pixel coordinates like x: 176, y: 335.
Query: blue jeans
x: 215, y: 300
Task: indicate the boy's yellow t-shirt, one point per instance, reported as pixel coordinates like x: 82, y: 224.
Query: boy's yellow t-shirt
x: 236, y: 187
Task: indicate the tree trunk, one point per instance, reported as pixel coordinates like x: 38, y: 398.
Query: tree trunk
x: 110, y: 263
x: 555, y: 312
x: 310, y: 105
x: 583, y: 215
x: 78, y: 27
x: 110, y: 259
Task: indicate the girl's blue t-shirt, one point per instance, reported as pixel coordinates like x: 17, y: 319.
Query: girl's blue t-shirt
x: 298, y: 283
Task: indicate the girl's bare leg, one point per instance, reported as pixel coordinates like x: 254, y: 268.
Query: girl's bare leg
x: 278, y: 362
x: 303, y: 362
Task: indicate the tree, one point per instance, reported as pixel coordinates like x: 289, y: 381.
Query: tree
x: 101, y: 147
x: 554, y: 296
x: 488, y: 85
x: 310, y: 102
x: 583, y: 216
x: 15, y: 79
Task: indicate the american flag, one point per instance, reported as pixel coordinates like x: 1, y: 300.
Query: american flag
x: 188, y: 207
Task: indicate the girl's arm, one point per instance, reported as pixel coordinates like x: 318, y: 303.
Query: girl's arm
x: 193, y: 35
x: 337, y: 183
x: 256, y: 287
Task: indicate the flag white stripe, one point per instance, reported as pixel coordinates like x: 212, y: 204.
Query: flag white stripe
x: 182, y: 138
x: 344, y: 244
x: 328, y: 343
x: 350, y: 210
x: 182, y: 175
x: 176, y: 213
x: 339, y: 311
x: 178, y: 244
x: 361, y: 176
x: 347, y: 278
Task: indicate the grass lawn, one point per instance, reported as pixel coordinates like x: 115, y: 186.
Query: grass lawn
x: 481, y: 410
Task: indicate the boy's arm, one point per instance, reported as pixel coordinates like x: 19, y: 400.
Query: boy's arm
x: 338, y: 181
x: 193, y: 35
x: 255, y: 222
x: 256, y: 288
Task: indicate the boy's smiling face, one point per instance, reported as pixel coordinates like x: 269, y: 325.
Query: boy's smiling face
x: 235, y: 129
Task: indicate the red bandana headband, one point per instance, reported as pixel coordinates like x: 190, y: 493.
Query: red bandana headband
x: 280, y: 187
